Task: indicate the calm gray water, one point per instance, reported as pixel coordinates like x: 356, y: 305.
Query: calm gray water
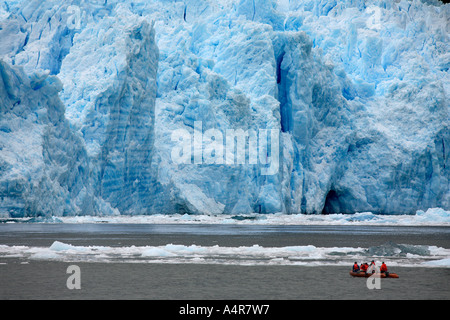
x: 25, y: 277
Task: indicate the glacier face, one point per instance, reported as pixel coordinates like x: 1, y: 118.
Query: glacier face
x: 112, y: 104
x: 92, y: 92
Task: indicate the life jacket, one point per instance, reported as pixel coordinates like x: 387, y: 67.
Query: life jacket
x: 383, y: 267
x: 355, y: 267
x: 364, y: 267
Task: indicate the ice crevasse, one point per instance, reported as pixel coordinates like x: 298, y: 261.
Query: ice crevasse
x: 354, y: 93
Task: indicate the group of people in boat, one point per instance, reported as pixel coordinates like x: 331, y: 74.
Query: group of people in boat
x: 366, y: 268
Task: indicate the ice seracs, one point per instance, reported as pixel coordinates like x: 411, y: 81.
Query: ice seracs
x: 356, y: 90
x: 109, y: 80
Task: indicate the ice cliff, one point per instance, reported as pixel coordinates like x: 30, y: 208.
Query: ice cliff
x: 353, y: 95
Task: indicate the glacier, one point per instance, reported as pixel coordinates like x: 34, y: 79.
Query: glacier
x: 92, y: 92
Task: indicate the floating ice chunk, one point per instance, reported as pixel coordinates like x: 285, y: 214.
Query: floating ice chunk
x: 61, y: 246
x: 439, y: 263
x: 157, y: 252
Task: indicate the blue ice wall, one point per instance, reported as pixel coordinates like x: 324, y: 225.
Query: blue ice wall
x: 92, y: 93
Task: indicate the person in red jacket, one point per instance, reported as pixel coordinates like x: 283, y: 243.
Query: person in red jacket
x: 364, y: 267
x: 355, y: 267
x: 383, y: 268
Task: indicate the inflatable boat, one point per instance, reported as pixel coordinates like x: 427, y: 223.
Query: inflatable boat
x: 366, y: 275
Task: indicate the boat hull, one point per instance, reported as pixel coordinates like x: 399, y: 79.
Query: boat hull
x: 366, y: 275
